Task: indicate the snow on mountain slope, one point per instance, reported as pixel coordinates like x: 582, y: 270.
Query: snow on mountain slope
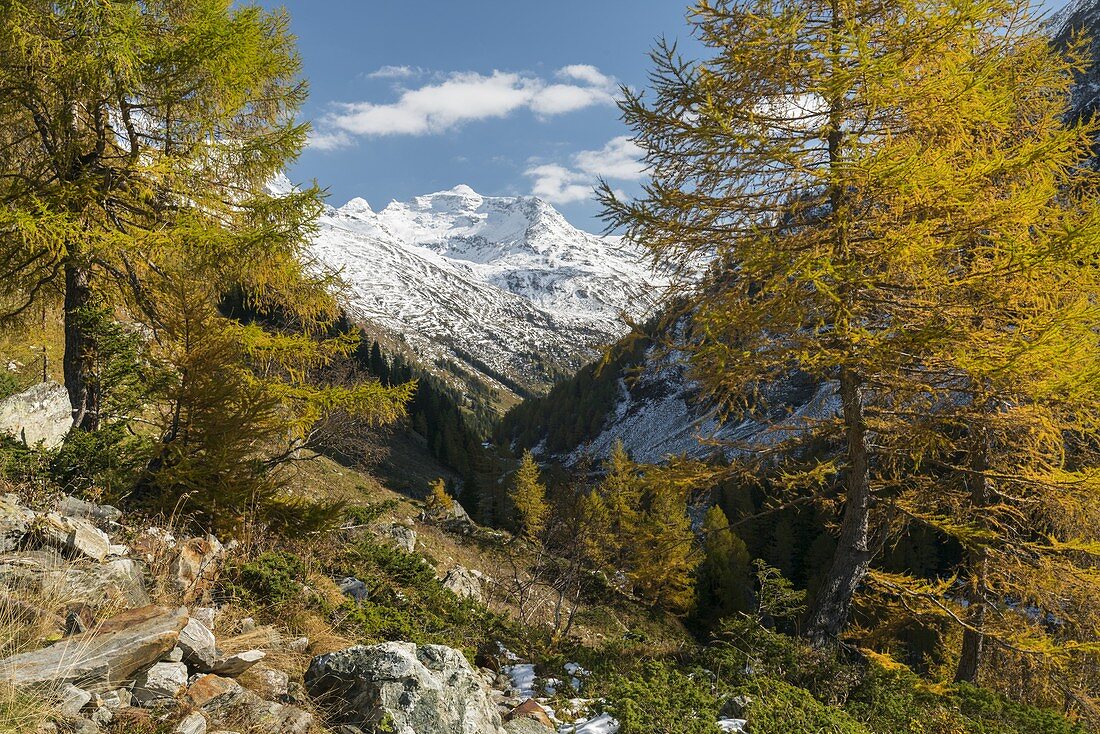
x: 503, y: 286
x: 658, y: 414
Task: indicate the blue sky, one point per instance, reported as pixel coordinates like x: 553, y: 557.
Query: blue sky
x: 507, y: 96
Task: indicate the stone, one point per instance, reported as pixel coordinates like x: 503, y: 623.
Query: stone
x: 271, y: 684
x: 225, y: 701
x: 299, y: 645
x: 354, y: 588
x: 734, y: 707
x: 76, y: 621
x: 158, y: 682
x: 70, y: 700
x: 195, y: 566
x: 39, y: 414
x: 193, y: 723
x: 205, y: 615
x: 18, y: 611
x: 416, y: 689
x: 403, y: 537
x: 198, y: 645
x: 117, y: 580
x: 530, y: 709
x: 463, y: 582
x: 233, y: 665
x: 70, y: 506
x: 117, y: 699
x: 14, y: 522
x: 74, y: 536
x: 110, y: 653
x: 175, y: 655
x: 526, y: 726
x: 102, y: 716
x: 85, y: 726
x: 208, y: 688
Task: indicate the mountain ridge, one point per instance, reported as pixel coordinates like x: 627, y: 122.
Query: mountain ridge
x: 501, y: 287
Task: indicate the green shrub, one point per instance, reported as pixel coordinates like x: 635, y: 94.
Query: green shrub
x: 996, y: 714
x: 9, y: 385
x: 780, y: 708
x: 272, y: 578
x: 659, y: 697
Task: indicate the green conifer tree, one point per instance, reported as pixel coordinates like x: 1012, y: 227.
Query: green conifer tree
x: 528, y: 497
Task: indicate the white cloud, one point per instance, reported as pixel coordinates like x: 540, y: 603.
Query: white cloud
x: 619, y: 159
x: 329, y: 140
x: 463, y: 97
x: 395, y: 72
x: 586, y: 73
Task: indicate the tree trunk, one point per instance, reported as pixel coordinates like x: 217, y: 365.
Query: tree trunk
x: 973, y: 645
x: 853, y: 552
x: 80, y: 348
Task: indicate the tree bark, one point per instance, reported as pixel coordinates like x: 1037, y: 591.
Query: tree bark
x: 853, y: 553
x: 973, y: 644
x: 80, y: 348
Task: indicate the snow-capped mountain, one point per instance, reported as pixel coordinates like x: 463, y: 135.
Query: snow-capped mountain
x: 503, y: 287
x: 1081, y: 17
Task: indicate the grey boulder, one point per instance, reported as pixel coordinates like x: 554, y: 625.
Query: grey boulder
x: 430, y: 688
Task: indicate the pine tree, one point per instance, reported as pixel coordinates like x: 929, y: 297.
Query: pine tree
x: 136, y: 134
x: 439, y: 502
x: 528, y: 497
x: 621, y: 491
x: 662, y: 555
x: 724, y: 583
x: 870, y: 181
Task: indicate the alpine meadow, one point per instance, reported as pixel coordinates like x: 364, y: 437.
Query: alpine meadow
x: 760, y: 393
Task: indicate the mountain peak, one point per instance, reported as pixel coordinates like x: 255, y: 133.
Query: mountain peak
x: 462, y: 190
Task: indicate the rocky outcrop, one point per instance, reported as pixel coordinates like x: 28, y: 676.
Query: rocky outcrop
x: 60, y: 571
x: 39, y: 414
x: 108, y: 654
x: 410, y: 688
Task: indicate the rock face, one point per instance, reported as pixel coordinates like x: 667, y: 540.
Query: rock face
x: 112, y: 652
x: 39, y: 414
x: 411, y: 689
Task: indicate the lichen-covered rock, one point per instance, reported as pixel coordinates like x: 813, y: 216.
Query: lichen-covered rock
x: 430, y: 688
x: 463, y: 582
x: 39, y: 414
x: 225, y: 702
